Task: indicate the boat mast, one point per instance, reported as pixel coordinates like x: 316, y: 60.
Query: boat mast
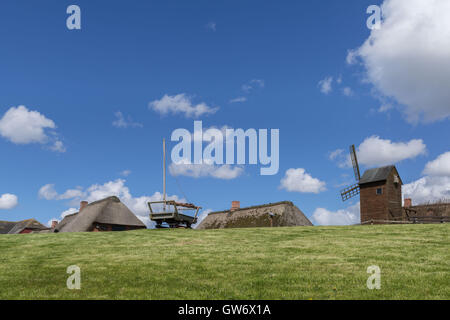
x: 164, y: 174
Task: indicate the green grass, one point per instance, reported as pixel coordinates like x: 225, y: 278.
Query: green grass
x: 265, y: 263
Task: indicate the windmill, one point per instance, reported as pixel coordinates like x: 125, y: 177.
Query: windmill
x: 352, y: 190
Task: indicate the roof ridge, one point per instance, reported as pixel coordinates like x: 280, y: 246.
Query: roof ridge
x: 271, y: 204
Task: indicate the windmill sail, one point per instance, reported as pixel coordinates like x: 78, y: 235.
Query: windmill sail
x: 355, y: 162
x: 352, y: 190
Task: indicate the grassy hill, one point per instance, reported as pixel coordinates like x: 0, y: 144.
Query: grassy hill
x: 270, y: 263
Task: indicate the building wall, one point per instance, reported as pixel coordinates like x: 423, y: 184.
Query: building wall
x: 373, y: 206
x: 385, y: 206
x: 394, y: 198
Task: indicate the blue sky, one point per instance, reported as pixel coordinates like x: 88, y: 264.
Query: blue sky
x: 131, y: 53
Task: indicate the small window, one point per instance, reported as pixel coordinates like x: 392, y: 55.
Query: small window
x: 379, y: 190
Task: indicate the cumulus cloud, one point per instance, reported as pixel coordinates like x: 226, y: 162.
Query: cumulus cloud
x: 48, y: 192
x: 297, y: 180
x: 206, y: 169
x: 407, y: 59
x: 122, y: 122
x: 349, y: 216
x: 435, y: 186
x: 428, y: 189
x: 375, y: 151
x: 138, y: 205
x: 325, y: 85
x: 22, y: 126
x: 8, y: 201
x: 440, y: 166
x: 181, y: 104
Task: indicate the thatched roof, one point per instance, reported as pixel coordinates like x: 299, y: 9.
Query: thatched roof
x: 106, y: 211
x: 7, y: 227
x: 283, y: 214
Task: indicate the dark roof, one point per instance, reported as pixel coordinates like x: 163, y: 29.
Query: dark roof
x: 108, y: 211
x: 7, y: 227
x: 376, y: 174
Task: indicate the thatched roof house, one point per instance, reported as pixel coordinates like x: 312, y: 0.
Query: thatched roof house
x: 280, y: 214
x: 108, y: 214
x: 24, y: 226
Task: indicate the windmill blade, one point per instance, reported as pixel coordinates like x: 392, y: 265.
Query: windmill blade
x: 350, y: 192
x: 355, y: 162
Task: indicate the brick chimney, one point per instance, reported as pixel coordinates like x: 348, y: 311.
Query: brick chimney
x: 235, y: 205
x: 407, y: 203
x: 54, y: 223
x: 83, y: 205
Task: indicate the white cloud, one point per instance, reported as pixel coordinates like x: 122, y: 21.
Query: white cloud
x: 428, y: 189
x: 252, y: 84
x: 122, y: 122
x: 22, y: 126
x: 125, y: 173
x: 58, y: 146
x: 297, y: 180
x: 8, y: 201
x: 341, y: 217
x: 335, y: 154
x: 211, y: 26
x: 48, y: 192
x: 374, y: 151
x: 206, y: 169
x: 440, y: 166
x: 407, y: 59
x: 347, y: 91
x: 181, y: 104
x: 326, y: 85
x: 238, y: 99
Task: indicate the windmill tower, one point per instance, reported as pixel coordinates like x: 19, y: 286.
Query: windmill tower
x: 380, y: 191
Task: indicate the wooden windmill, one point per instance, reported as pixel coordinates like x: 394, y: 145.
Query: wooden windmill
x: 380, y: 191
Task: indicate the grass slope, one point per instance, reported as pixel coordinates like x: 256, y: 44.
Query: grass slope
x: 270, y: 263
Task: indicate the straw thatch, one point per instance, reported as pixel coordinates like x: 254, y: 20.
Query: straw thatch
x: 282, y: 214
x: 7, y: 227
x: 109, y: 211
